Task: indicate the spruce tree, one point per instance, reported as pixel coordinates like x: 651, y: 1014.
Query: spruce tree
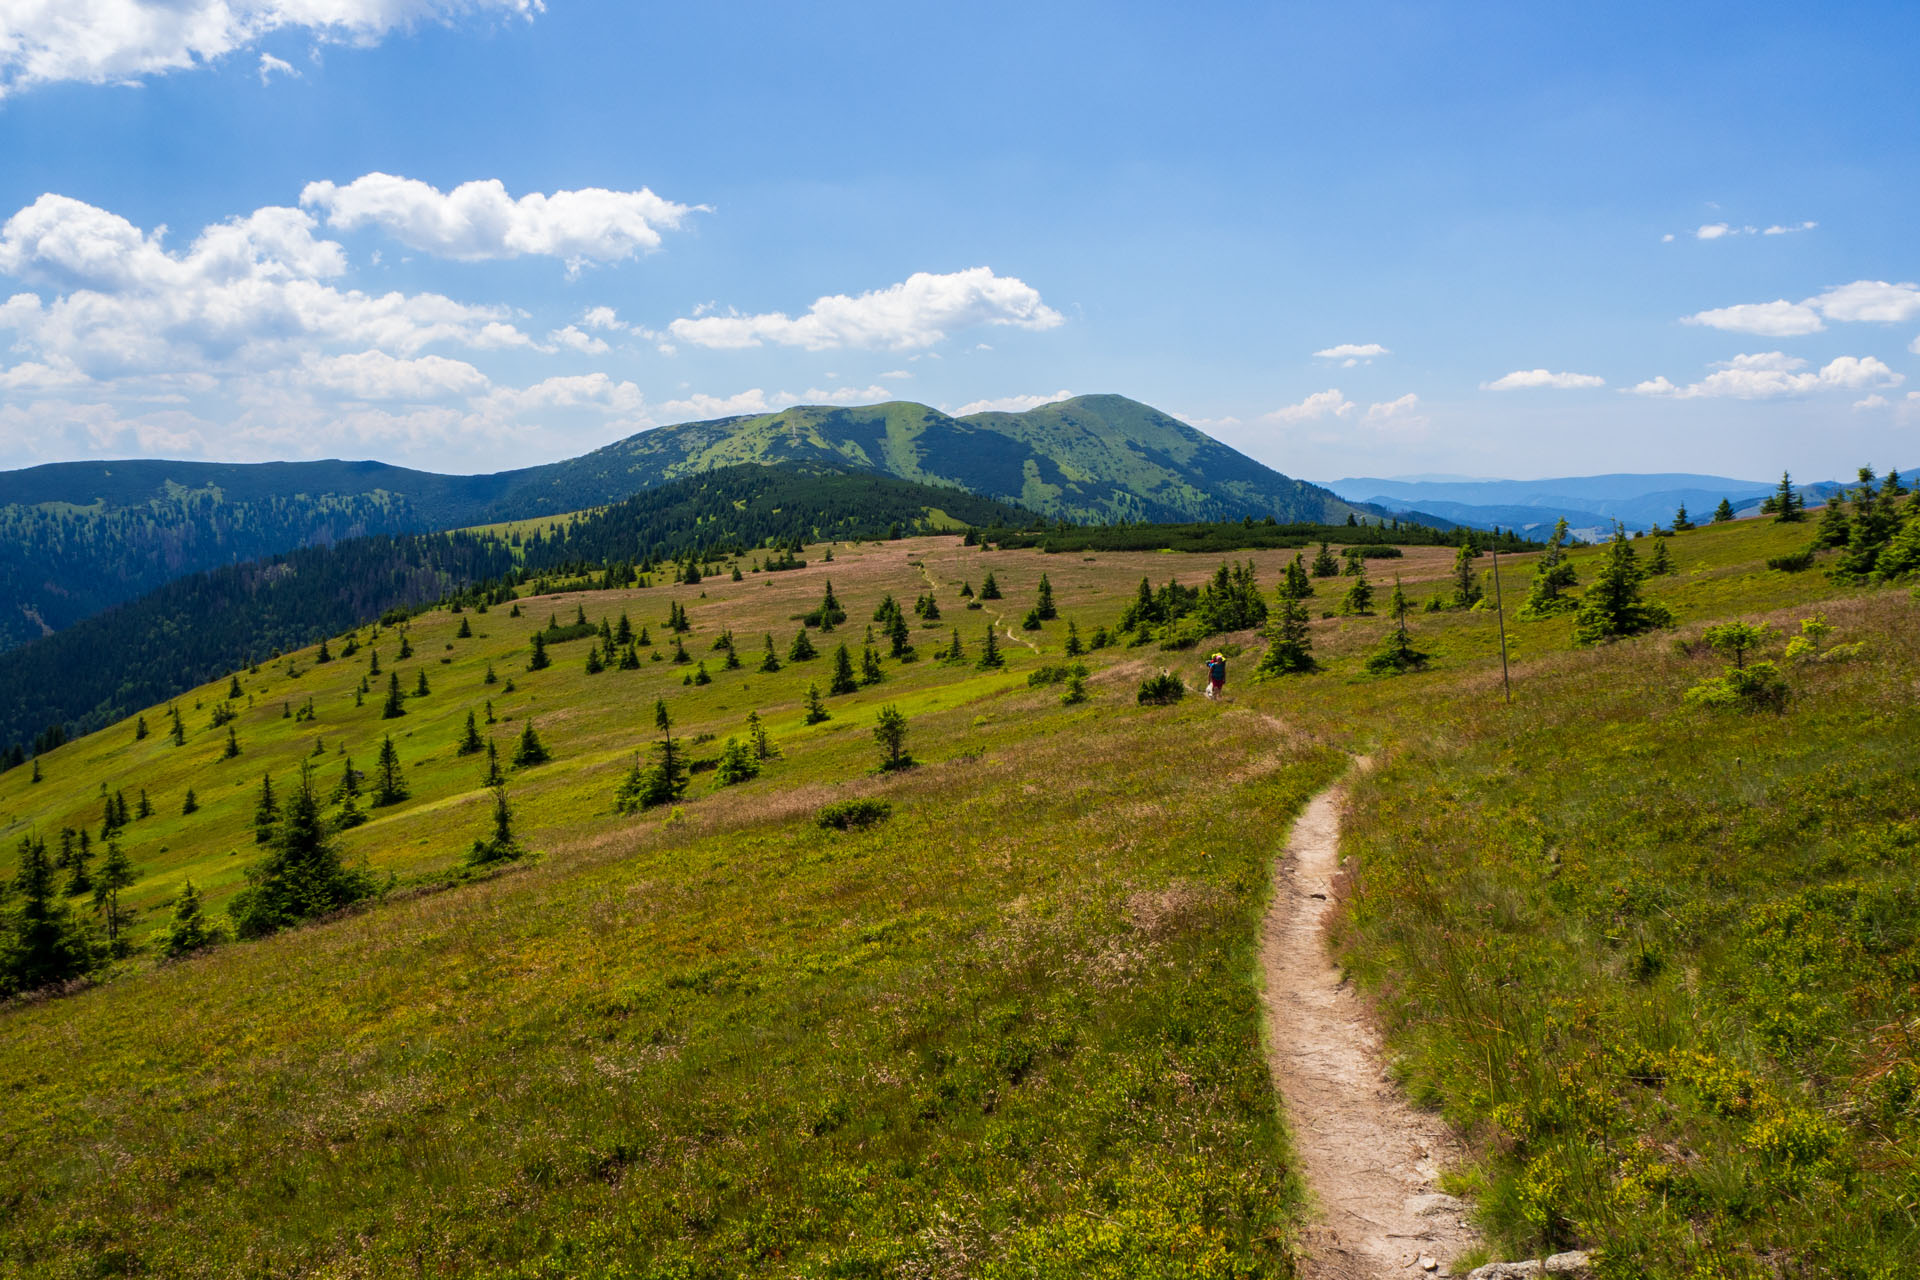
x: 266, y: 811
x: 391, y: 784
x: 1324, y: 564
x: 139, y: 728
x: 1553, y: 576
x: 373, y: 663
x: 79, y: 868
x: 665, y: 780
x: 1660, y: 563
x: 465, y: 632
x: 990, y: 658
x: 1723, y: 512
x: 530, y: 751
x: 890, y: 731
x: 406, y: 647
x: 420, y: 689
x: 770, y: 661
x: 324, y: 655
x: 1612, y: 606
x: 763, y: 747
x: 501, y: 844
x: 1681, y: 523
x: 989, y: 590
x: 146, y: 806
x: 494, y: 777
x: 700, y: 675
x: 737, y: 764
x: 116, y: 873
x: 179, y: 731
x: 190, y: 804
x: 843, y: 679
x: 490, y: 677
x: 302, y: 876
x: 1031, y: 622
x: 1289, y: 639
x: 623, y: 634
x: 802, y: 648
x: 234, y: 691
x: 830, y: 611
x: 47, y: 945
x: 232, y: 748
x: 470, y: 742
x: 1466, y: 584
x: 1074, y: 647
x: 1396, y: 654
x: 953, y: 654
x: 870, y: 672
x: 190, y: 930
x: 931, y: 612
x: 1358, y: 602
x: 1294, y: 582
x: 1788, y: 506
x: 816, y: 709
x: 395, y: 706
x: 538, y: 661
x: 594, y: 665
x: 37, y: 776
x: 899, y: 639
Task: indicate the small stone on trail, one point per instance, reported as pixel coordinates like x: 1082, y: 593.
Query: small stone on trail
x: 1429, y: 1263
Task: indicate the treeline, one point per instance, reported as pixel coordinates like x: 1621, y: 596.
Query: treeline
x: 1240, y: 535
x: 196, y: 628
x: 61, y: 563
x: 732, y: 510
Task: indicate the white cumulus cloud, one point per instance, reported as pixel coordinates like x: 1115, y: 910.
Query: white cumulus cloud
x: 478, y: 220
x: 1870, y: 301
x: 575, y: 338
x: 1011, y: 404
x: 916, y: 313
x: 1352, y: 353
x: 119, y: 41
x: 1321, y: 404
x: 251, y: 292
x: 1777, y: 319
x: 375, y: 375
x: 1770, y: 374
x: 1524, y: 378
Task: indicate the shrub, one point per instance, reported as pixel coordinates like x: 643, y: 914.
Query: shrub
x: 848, y: 815
x: 1759, y: 687
x: 1792, y: 562
x: 1055, y: 672
x: 1161, y: 690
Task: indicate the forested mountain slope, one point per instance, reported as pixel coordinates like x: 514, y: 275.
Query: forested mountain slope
x: 78, y: 537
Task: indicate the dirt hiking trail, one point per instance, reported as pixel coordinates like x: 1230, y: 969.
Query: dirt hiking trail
x: 1370, y: 1160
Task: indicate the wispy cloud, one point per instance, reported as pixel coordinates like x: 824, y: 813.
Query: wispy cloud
x: 1350, y: 354
x: 1521, y: 379
x: 1773, y: 374
x: 916, y: 313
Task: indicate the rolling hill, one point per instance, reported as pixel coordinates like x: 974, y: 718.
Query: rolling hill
x: 77, y: 537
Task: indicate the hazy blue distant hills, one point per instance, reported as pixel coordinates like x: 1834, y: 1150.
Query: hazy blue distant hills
x: 78, y: 537
x: 1586, y: 502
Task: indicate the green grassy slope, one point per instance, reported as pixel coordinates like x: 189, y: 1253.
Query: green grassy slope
x: 1012, y: 1031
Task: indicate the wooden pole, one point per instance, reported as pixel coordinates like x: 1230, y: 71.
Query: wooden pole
x: 1499, y: 608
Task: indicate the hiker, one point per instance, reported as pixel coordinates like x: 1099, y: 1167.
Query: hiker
x: 1216, y: 675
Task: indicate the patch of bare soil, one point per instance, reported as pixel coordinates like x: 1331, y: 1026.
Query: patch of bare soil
x: 1369, y: 1158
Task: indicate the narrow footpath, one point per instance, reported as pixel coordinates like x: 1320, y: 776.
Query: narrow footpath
x: 1370, y: 1160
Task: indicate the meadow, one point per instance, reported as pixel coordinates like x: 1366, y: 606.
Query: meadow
x: 1651, y: 958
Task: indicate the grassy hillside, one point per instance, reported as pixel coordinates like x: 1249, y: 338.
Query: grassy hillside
x: 194, y: 627
x: 79, y: 537
x: 1010, y: 1030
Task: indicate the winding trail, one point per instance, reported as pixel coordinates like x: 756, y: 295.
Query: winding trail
x: 999, y: 615
x: 1368, y: 1157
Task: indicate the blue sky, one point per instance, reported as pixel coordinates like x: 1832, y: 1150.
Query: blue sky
x: 1367, y: 239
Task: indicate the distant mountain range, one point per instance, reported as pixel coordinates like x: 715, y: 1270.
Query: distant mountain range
x: 1589, y: 504
x: 78, y: 537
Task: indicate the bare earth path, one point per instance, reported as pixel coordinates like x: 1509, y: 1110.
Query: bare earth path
x: 1369, y: 1159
